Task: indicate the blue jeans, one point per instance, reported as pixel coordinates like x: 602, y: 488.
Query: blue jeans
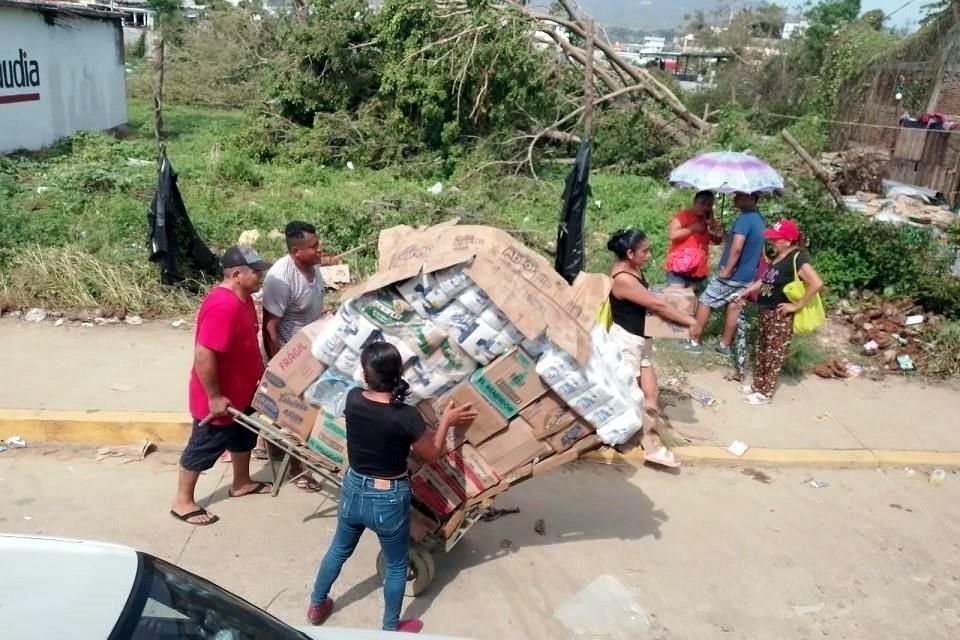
x: 685, y: 280
x: 386, y: 512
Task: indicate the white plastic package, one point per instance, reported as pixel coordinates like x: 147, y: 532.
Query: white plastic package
x: 406, y: 353
x: 619, y: 429
x: 493, y: 317
x: 474, y: 298
x: 426, y: 382
x: 346, y: 362
x: 479, y: 340
x: 328, y: 344
x: 330, y: 392
x: 590, y: 399
x: 448, y: 283
x: 415, y: 290
x: 604, y: 413
x: 357, y: 332
x: 454, y: 316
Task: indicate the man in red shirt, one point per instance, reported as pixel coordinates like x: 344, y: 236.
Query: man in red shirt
x: 227, y: 367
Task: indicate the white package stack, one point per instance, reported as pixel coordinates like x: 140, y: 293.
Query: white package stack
x: 474, y: 298
x: 328, y: 344
x: 448, y: 284
x: 425, y: 383
x: 415, y: 290
x: 454, y: 316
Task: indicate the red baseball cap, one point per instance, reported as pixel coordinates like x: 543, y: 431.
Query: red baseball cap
x: 783, y: 230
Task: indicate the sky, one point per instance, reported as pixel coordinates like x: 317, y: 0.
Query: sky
x: 661, y: 14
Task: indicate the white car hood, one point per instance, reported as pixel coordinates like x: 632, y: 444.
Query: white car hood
x: 339, y: 633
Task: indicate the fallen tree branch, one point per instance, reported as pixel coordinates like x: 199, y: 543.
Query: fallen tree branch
x: 818, y: 170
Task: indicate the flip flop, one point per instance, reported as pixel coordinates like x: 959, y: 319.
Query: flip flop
x: 258, y: 489
x: 193, y: 514
x: 663, y: 457
x: 308, y: 484
x: 260, y: 454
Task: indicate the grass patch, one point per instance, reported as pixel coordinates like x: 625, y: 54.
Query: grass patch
x: 75, y: 214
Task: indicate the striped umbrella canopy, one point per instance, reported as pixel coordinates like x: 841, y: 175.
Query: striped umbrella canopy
x: 727, y: 172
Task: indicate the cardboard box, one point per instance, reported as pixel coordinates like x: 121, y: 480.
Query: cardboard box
x: 488, y: 421
x: 513, y: 448
x: 582, y: 446
x: 680, y: 298
x: 548, y: 415
x: 432, y: 490
x: 294, y: 368
x: 509, y: 383
x: 565, y: 439
x: 466, y: 471
x: 329, y: 438
x: 286, y: 410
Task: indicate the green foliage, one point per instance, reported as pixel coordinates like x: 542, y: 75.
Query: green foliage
x: 139, y: 49
x: 826, y: 18
x: 848, y: 55
x: 327, y: 62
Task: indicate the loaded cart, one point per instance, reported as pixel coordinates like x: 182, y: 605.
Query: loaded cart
x: 478, y: 318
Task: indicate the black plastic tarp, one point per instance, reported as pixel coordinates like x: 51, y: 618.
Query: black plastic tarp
x: 570, y: 253
x: 173, y: 242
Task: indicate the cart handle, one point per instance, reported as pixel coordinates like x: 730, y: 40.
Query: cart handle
x: 234, y: 412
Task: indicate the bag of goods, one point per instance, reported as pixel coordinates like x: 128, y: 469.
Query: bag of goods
x: 330, y: 392
x: 328, y: 344
x: 474, y: 298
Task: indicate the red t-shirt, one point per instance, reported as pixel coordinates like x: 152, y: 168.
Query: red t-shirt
x: 228, y: 325
x: 694, y: 240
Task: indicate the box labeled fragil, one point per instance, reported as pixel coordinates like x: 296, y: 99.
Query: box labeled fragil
x: 680, y: 298
x: 294, y: 368
x: 329, y: 438
x: 286, y: 410
x: 513, y: 448
x: 548, y: 415
x: 509, y: 383
x: 488, y: 421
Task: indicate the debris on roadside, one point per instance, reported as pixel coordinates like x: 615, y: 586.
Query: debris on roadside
x: 889, y: 332
x: 493, y: 513
x: 132, y: 453
x: 176, y: 324
x: 540, y: 527
x: 937, y: 476
x: 134, y: 321
x: 35, y: 315
x: 15, y: 442
x: 817, y: 484
x: 738, y: 448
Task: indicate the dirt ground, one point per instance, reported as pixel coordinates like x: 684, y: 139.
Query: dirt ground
x: 627, y: 554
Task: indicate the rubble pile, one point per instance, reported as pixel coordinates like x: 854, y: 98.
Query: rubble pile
x: 892, y: 333
x: 856, y: 170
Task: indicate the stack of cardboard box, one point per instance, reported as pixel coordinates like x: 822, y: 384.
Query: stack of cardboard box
x: 521, y: 430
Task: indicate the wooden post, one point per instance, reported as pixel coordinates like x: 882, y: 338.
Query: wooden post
x: 588, y: 85
x: 158, y: 64
x: 818, y: 170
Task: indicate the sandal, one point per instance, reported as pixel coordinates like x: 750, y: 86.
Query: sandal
x: 260, y: 454
x: 663, y: 457
x: 308, y: 484
x: 757, y: 399
x: 258, y: 489
x: 185, y: 517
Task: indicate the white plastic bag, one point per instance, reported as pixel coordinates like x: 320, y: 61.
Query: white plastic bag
x: 330, y: 392
x: 619, y: 429
x: 474, y: 298
x: 328, y: 344
x: 454, y: 316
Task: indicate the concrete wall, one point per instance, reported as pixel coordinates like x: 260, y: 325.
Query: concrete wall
x: 77, y: 77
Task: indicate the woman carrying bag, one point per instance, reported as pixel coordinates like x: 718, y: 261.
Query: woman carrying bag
x: 691, y: 232
x: 789, y: 302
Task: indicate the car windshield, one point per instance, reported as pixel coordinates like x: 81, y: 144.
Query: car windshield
x: 169, y: 603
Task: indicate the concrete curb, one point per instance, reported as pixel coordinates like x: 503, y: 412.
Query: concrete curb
x: 98, y: 428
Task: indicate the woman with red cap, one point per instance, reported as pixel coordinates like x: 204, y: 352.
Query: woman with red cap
x: 776, y: 310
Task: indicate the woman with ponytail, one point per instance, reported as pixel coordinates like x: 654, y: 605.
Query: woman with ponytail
x: 630, y: 300
x: 381, y: 430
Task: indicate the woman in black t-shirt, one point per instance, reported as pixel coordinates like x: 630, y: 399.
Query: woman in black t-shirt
x: 776, y: 310
x: 381, y: 430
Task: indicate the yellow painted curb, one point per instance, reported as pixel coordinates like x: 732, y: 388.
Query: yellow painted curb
x: 95, y: 427
x: 814, y: 457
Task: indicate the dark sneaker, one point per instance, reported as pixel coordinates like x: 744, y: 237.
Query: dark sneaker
x: 723, y: 350
x: 318, y: 613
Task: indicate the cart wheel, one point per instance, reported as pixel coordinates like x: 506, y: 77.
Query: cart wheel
x: 419, y: 574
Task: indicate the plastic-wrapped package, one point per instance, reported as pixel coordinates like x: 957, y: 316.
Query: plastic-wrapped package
x: 479, y: 340
x: 590, y: 399
x: 474, y: 298
x: 604, y: 413
x: 619, y: 429
x: 389, y: 311
x: 415, y: 290
x: 493, y: 317
x: 452, y: 361
x: 536, y: 347
x: 448, y: 283
x: 328, y: 344
x: 425, y: 382
x: 406, y: 353
x: 454, y: 316
x: 330, y: 392
x: 346, y: 363
x: 357, y: 332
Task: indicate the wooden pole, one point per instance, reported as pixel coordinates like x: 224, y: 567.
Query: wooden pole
x: 158, y: 64
x: 588, y: 85
x: 818, y: 170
